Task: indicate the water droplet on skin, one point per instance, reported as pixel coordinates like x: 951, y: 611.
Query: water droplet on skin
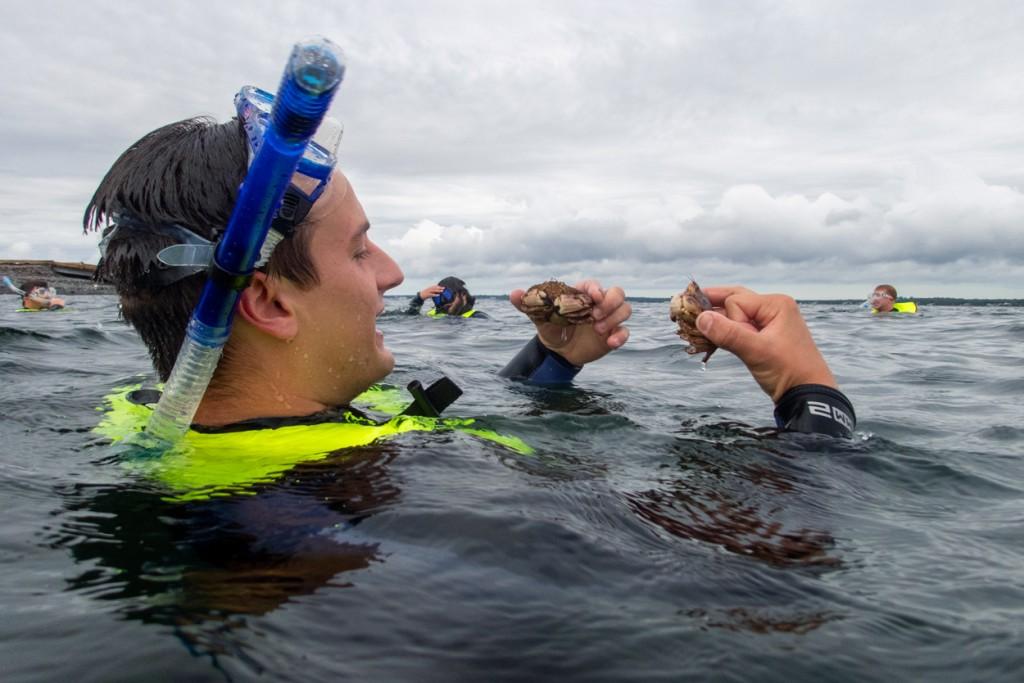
x: 565, y: 334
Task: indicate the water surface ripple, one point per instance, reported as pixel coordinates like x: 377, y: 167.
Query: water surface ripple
x: 659, y: 532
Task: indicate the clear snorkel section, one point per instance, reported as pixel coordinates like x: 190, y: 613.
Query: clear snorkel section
x: 279, y: 144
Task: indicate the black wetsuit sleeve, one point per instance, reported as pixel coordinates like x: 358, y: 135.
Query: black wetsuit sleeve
x: 538, y: 364
x: 816, y: 409
x: 479, y: 314
x: 415, y: 304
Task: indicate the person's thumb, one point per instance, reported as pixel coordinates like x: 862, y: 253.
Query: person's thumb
x: 728, y: 334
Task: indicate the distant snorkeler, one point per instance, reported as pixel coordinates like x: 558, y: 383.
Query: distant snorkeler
x: 36, y: 295
x: 883, y: 300
x: 450, y: 298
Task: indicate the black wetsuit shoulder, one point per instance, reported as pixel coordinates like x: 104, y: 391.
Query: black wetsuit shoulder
x: 540, y: 365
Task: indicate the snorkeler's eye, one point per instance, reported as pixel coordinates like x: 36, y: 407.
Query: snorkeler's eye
x: 361, y: 254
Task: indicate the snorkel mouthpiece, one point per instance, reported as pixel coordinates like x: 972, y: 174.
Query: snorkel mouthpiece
x: 308, y: 85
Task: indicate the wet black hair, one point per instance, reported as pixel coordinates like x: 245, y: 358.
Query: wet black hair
x: 186, y: 173
x: 458, y: 286
x: 28, y: 285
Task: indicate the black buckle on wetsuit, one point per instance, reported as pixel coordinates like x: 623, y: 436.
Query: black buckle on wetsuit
x: 431, y: 401
x: 144, y: 397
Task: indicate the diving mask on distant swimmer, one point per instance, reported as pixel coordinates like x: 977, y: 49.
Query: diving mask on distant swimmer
x: 42, y: 293
x: 443, y: 299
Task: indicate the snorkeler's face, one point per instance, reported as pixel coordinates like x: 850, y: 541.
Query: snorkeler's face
x: 337, y: 317
x: 457, y: 305
x: 881, y: 301
x: 41, y: 297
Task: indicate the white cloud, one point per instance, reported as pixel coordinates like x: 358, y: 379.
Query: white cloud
x: 791, y: 145
x: 747, y: 234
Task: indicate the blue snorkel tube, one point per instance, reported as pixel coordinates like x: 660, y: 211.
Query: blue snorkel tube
x: 307, y: 87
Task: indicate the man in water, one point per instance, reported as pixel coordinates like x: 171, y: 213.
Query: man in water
x: 39, y: 296
x: 304, y: 342
x: 450, y: 297
x: 304, y: 339
x: 883, y: 300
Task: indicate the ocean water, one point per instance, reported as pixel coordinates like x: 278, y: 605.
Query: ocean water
x: 659, y: 532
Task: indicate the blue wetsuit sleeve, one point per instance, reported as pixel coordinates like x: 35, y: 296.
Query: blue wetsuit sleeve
x: 538, y: 364
x: 415, y: 304
x: 816, y: 409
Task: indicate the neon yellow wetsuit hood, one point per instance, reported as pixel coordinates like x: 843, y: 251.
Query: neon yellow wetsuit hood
x: 229, y: 462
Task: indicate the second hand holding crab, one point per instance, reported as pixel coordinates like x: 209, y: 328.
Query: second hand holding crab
x: 581, y: 323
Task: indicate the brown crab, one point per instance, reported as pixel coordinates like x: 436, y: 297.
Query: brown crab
x: 558, y: 303
x: 684, y: 309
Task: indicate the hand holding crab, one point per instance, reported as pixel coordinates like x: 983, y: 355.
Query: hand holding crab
x: 767, y: 333
x: 581, y: 323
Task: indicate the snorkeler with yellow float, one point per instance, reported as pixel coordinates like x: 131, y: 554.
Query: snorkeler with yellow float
x: 883, y: 300
x: 450, y: 297
x: 292, y: 297
x: 36, y: 295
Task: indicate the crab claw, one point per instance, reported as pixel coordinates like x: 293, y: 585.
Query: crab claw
x: 683, y: 309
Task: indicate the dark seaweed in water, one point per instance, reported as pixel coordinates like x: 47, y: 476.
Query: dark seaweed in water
x: 660, y: 532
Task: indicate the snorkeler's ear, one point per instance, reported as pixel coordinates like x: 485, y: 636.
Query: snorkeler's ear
x: 265, y: 306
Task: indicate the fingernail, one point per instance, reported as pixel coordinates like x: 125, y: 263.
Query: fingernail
x: 704, y: 322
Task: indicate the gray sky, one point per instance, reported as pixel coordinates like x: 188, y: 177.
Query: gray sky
x: 816, y: 148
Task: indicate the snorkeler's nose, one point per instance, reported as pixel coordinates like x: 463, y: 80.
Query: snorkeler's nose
x: 391, y: 273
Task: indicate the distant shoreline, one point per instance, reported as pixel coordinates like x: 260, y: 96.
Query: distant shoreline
x: 75, y: 278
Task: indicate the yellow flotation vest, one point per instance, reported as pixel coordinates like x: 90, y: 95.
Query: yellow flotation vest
x: 901, y: 307
x: 208, y: 464
x: 434, y: 313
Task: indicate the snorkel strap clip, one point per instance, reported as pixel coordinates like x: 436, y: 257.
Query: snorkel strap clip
x: 292, y: 211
